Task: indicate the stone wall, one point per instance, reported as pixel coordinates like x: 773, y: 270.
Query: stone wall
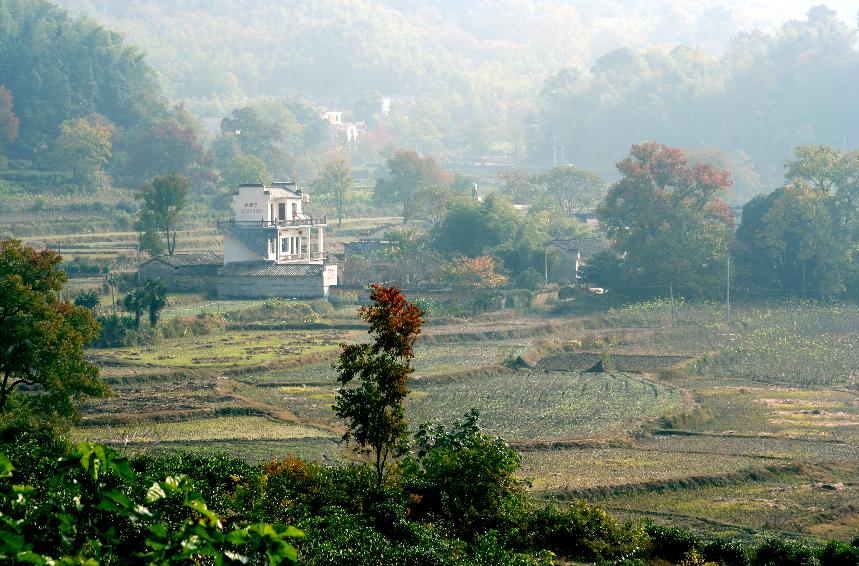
x: 243, y: 287
x: 182, y: 279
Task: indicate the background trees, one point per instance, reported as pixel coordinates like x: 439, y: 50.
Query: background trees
x: 162, y: 203
x: 663, y: 215
x: 802, y: 238
x: 409, y: 173
x: 84, y: 147
x: 374, y: 409
x: 41, y: 337
x: 335, y: 180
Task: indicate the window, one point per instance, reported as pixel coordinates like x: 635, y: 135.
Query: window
x: 281, y: 211
x: 284, y: 246
x: 295, y: 210
x: 270, y: 246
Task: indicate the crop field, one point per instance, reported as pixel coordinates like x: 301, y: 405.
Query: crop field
x: 227, y: 350
x: 810, y: 501
x: 702, y: 423
x: 547, y: 405
x: 580, y: 470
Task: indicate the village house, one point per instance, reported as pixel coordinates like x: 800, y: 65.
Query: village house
x: 272, y: 248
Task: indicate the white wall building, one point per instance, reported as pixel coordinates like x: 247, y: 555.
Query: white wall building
x: 269, y: 228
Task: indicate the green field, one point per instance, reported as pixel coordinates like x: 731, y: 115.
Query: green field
x: 697, y: 423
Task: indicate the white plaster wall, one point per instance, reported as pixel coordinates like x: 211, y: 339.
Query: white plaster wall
x: 235, y: 250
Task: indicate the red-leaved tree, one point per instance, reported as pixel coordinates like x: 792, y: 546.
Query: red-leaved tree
x: 373, y: 410
x: 665, y: 219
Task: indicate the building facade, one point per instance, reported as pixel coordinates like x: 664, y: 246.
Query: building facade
x: 268, y: 233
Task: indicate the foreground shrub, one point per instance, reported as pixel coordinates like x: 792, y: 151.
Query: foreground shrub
x: 840, y: 554
x: 727, y: 552
x: 89, y: 513
x: 776, y: 552
x: 583, y: 532
x: 672, y: 543
x: 463, y: 478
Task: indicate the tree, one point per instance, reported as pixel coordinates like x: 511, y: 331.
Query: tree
x: 42, y: 337
x: 409, y: 173
x: 84, y: 148
x: 8, y: 120
x: 472, y: 272
x: 135, y: 302
x: 245, y: 169
x: 154, y: 294
x: 168, y: 144
x: 571, y: 190
x: 335, y: 180
x: 162, y: 203
x: 89, y: 300
x: 373, y: 410
x: 464, y: 477
x: 664, y: 216
x: 255, y: 136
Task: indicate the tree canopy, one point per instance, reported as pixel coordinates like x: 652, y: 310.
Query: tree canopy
x: 664, y: 217
x: 162, y: 203
x: 42, y: 337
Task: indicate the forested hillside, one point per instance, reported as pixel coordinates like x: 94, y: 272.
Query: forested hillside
x: 546, y: 80
x: 750, y: 106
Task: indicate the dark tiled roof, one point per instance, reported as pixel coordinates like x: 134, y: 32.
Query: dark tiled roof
x: 585, y: 246
x: 178, y: 260
x: 267, y: 269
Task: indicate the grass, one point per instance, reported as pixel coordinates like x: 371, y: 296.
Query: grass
x: 227, y: 350
x: 218, y: 428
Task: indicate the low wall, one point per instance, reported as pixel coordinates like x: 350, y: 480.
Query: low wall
x: 185, y: 279
x: 243, y: 287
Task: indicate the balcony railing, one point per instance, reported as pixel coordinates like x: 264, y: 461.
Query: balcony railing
x: 301, y: 257
x: 232, y: 223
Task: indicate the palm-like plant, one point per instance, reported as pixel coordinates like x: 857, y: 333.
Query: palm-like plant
x: 155, y: 298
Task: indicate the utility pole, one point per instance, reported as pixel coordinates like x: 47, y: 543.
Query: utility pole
x: 671, y: 300
x: 728, y: 290
x: 546, y: 265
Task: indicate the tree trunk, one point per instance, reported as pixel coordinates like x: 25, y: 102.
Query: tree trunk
x: 4, y: 392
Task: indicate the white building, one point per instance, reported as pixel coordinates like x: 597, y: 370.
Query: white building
x: 271, y: 247
x: 349, y: 131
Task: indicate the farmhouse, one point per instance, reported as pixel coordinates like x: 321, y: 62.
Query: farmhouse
x: 271, y: 247
x: 184, y: 273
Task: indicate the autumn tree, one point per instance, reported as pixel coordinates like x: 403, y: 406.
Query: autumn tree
x: 373, y: 409
x: 407, y: 174
x: 335, y: 180
x: 473, y: 273
x: 162, y: 203
x: 664, y: 218
x: 42, y: 337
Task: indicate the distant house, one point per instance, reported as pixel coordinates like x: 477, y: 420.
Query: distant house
x: 272, y: 248
x: 349, y: 131
x: 185, y: 273
x: 573, y: 253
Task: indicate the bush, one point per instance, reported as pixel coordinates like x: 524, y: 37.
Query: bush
x: 203, y: 324
x: 784, y: 553
x: 583, y: 532
x: 672, y: 543
x: 727, y: 552
x: 283, y: 311
x: 119, y: 331
x: 840, y: 554
x: 463, y: 478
